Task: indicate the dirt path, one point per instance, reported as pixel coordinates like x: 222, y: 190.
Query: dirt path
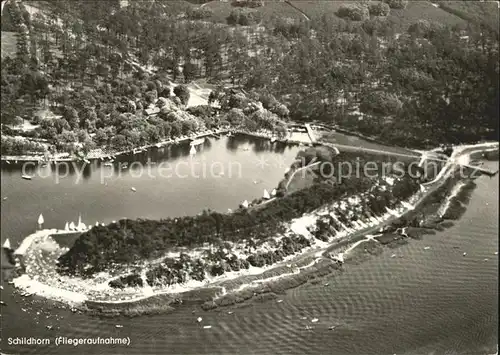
x: 299, y: 10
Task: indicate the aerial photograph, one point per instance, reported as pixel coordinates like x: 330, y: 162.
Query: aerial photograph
x: 224, y: 177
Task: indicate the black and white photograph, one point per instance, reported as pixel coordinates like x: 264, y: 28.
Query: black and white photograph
x: 249, y: 177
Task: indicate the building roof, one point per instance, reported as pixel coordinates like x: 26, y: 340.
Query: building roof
x: 152, y: 111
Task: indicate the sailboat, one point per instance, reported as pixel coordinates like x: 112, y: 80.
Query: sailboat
x: 40, y: 219
x: 266, y: 195
x: 192, y: 151
x: 81, y: 226
x: 72, y: 226
x: 273, y: 193
x: 66, y: 226
x: 244, y: 204
x: 6, y: 245
x: 198, y: 141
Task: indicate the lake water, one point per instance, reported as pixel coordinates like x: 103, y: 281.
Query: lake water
x: 433, y: 301
x: 174, y: 184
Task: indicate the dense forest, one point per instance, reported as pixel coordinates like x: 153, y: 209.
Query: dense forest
x: 97, y: 66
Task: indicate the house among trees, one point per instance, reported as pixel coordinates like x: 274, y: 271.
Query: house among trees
x: 152, y: 111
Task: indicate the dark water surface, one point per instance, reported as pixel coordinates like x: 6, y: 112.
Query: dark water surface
x: 433, y: 301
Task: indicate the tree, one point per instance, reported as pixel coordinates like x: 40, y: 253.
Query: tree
x: 396, y: 4
x: 71, y: 116
x: 379, y: 9
x: 182, y: 92
x: 189, y: 70
x: 235, y: 117
x: 353, y: 12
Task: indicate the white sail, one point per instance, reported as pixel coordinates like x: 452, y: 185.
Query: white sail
x: 244, y: 204
x: 72, y: 226
x: 273, y: 193
x: 193, y: 150
x: 82, y: 226
x: 40, y: 219
x: 266, y: 194
x: 96, y: 223
x: 66, y: 226
x: 6, y: 245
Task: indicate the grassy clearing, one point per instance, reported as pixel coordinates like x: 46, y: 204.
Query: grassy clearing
x: 474, y: 11
x: 270, y: 10
x: 353, y: 143
x: 9, y: 40
x: 416, y: 10
x: 422, y: 10
x: 302, y: 180
x: 316, y: 9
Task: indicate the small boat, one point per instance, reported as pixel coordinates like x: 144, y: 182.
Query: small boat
x: 6, y: 245
x: 27, y: 177
x: 464, y: 254
x: 273, y: 193
x: 326, y: 284
x: 207, y: 327
x: 72, y: 226
x: 3, y: 303
x: 197, y: 141
x: 427, y: 248
x: 332, y: 327
x: 244, y: 204
x: 199, y: 319
x: 133, y: 189
x: 266, y: 195
x: 8, y: 162
x: 229, y: 312
x: 119, y: 326
x: 476, y: 163
x: 314, y: 320
x: 279, y: 301
x: 1, y: 287
x: 49, y: 327
x: 5, y: 198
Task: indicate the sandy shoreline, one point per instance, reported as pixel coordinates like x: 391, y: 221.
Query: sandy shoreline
x: 299, y: 226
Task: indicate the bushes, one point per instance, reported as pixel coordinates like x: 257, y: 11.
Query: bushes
x: 247, y: 3
x: 199, y: 13
x: 202, y: 111
x: 353, y: 12
x: 424, y: 28
x: 379, y: 9
x: 396, y: 4
x: 243, y: 17
x: 380, y: 103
